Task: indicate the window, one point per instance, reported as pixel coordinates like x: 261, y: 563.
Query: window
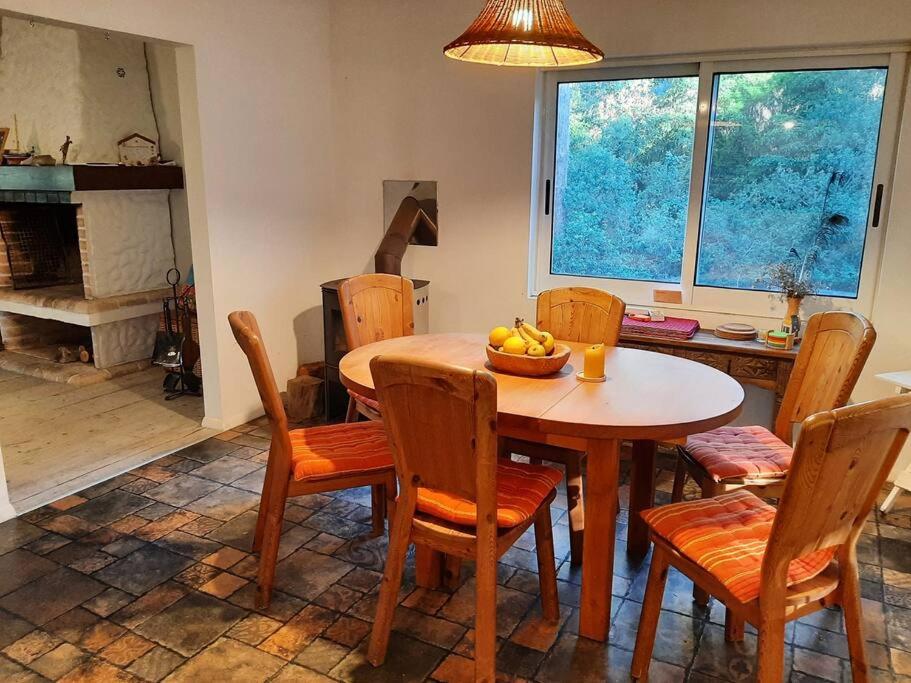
x: 622, y: 176
x: 792, y: 152
x: 706, y: 175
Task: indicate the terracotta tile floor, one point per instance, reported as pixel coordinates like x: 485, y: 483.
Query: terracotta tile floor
x: 148, y: 577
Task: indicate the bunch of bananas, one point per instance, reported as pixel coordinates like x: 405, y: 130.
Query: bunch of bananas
x: 522, y: 339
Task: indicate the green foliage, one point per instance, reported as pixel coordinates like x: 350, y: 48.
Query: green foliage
x: 623, y: 174
x: 794, y: 275
x: 624, y: 153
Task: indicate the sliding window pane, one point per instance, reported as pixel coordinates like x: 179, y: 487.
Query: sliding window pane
x: 789, y: 177
x: 624, y: 152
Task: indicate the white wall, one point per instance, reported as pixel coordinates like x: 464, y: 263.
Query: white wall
x: 43, y: 91
x: 402, y: 110
x: 61, y: 82
x: 286, y: 159
x: 405, y: 111
x: 166, y: 104
x: 113, y: 106
x: 256, y: 119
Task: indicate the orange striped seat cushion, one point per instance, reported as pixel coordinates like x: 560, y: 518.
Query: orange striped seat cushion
x: 521, y: 488
x: 369, y: 402
x: 727, y: 536
x: 740, y: 453
x: 324, y: 452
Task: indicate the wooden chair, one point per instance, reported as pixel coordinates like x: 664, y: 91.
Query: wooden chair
x: 374, y: 307
x: 306, y: 461
x: 456, y: 496
x: 832, y: 355
x: 770, y: 568
x: 590, y: 316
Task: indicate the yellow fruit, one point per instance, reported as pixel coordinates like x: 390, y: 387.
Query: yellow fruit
x: 533, y: 332
x: 498, y: 335
x: 528, y: 340
x: 537, y: 350
x: 548, y: 342
x: 514, y: 345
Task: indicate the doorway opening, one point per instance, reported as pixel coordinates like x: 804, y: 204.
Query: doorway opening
x: 94, y: 228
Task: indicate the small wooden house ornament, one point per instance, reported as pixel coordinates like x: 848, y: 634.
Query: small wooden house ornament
x: 137, y: 150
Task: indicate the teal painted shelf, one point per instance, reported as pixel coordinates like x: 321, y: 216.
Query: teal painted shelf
x: 88, y: 178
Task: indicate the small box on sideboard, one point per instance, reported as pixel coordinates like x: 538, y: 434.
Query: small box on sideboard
x: 667, y: 295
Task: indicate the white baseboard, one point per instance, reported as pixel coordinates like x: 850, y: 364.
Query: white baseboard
x: 6, y: 511
x: 213, y: 423
x: 227, y: 423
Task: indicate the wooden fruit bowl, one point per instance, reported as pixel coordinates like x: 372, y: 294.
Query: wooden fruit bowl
x: 529, y: 366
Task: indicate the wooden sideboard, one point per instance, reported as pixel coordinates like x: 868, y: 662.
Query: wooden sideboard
x: 749, y: 362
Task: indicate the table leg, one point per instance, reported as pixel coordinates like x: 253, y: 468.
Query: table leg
x: 641, y: 496
x: 428, y: 567
x: 600, y: 531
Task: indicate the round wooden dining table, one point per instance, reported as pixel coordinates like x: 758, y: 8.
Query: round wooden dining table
x: 647, y: 397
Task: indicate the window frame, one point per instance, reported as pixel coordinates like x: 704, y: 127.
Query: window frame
x: 709, y: 299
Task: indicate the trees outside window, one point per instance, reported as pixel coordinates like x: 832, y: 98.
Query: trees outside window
x: 711, y: 175
x: 623, y: 160
x: 789, y: 151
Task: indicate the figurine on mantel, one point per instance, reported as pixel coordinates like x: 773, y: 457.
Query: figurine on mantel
x: 65, y: 149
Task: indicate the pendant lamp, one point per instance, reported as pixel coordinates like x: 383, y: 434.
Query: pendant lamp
x: 524, y: 33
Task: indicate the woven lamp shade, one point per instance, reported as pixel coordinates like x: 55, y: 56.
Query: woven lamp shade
x: 524, y: 33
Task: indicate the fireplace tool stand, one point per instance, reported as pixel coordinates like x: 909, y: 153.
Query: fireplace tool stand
x: 175, y: 349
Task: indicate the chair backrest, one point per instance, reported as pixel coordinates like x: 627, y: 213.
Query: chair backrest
x: 581, y: 314
x: 376, y: 307
x: 833, y: 352
x: 841, y: 460
x: 246, y: 332
x: 441, y: 421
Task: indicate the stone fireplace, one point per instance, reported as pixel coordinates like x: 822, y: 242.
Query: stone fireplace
x: 84, y: 266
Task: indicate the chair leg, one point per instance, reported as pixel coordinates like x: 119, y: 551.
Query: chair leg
x: 733, y: 627
x: 576, y: 508
x: 851, y: 607
x: 770, y: 649
x: 263, y: 507
x: 428, y: 567
x: 352, y: 414
x: 547, y: 571
x: 485, y: 640
x: 389, y: 488
x: 700, y: 596
x: 272, y: 533
x: 378, y: 509
x: 452, y: 572
x: 392, y: 581
x: 651, y: 610
x: 679, y: 480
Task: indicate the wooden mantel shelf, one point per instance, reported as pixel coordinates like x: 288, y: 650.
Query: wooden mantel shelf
x: 78, y: 178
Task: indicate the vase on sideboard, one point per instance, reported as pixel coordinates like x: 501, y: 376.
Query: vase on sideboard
x: 791, y: 321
